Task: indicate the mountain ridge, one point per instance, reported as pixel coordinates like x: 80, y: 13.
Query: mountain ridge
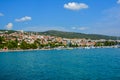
x: 65, y: 34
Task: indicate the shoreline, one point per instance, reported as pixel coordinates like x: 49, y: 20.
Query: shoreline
x: 69, y: 48
x: 22, y: 50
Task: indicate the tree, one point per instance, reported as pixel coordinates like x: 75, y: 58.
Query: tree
x: 1, y: 42
x: 12, y: 44
x: 23, y: 45
x: 1, y: 39
x: 33, y: 46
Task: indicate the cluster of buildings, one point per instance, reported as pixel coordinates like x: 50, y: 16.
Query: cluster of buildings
x: 31, y: 37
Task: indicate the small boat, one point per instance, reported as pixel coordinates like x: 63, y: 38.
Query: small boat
x: 69, y: 48
x: 87, y: 47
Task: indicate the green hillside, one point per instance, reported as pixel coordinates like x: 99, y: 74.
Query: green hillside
x: 76, y: 35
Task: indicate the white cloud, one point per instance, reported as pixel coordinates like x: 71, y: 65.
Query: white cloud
x: 9, y: 26
x: 118, y: 1
x: 79, y: 28
x: 82, y: 28
x: 1, y: 14
x: 73, y: 27
x: 75, y: 6
x: 23, y: 19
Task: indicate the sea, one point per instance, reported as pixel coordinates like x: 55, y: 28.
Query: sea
x: 76, y: 64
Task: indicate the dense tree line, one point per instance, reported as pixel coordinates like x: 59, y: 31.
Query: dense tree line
x: 106, y: 43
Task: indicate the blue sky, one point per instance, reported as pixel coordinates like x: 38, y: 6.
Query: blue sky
x: 84, y: 16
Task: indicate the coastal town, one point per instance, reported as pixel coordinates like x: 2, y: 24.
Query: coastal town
x: 21, y: 40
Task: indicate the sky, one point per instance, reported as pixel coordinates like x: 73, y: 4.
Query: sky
x: 83, y: 16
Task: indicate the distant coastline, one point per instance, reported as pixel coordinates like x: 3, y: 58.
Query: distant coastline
x: 22, y: 50
x: 69, y: 48
x: 24, y: 41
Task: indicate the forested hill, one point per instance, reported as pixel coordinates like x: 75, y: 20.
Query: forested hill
x: 76, y: 35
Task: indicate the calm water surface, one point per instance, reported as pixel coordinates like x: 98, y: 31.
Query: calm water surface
x: 77, y: 64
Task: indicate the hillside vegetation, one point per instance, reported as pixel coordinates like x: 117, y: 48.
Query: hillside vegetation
x: 76, y: 35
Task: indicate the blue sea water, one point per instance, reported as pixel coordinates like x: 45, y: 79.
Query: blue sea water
x: 76, y: 64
